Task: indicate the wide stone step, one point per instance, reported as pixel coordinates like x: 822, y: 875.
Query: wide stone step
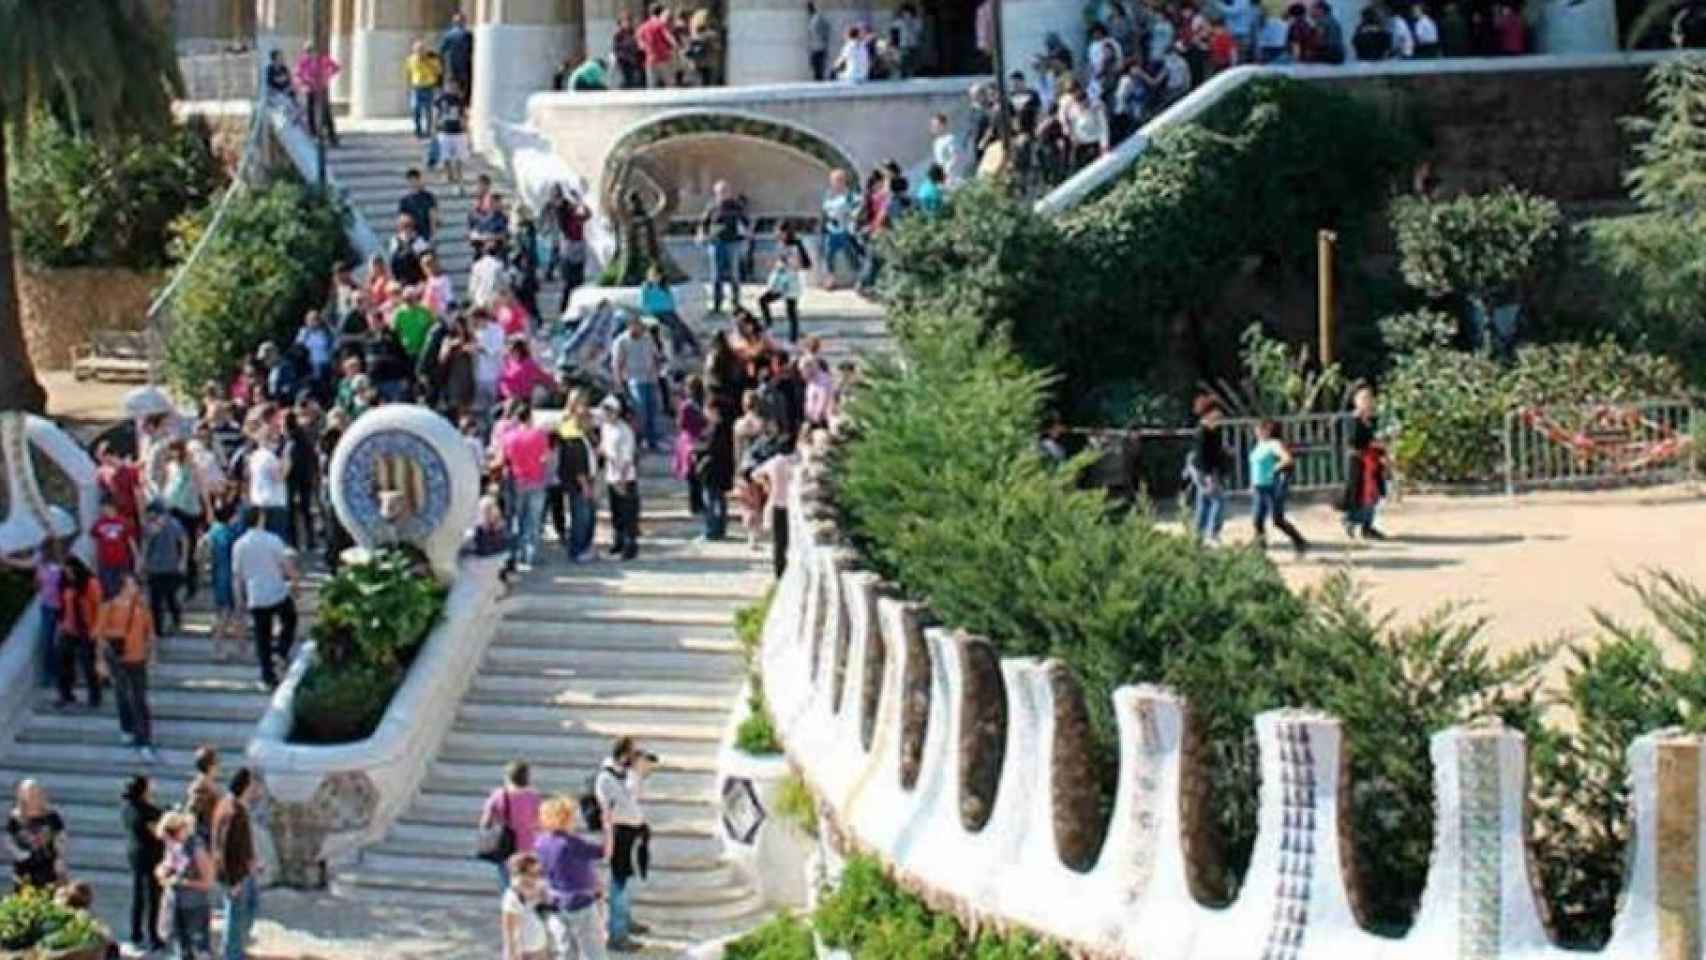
x: 46, y: 759
x: 181, y: 701
x: 676, y: 775
x: 648, y: 725
x: 461, y: 810
x: 98, y: 730
x: 675, y: 579
x: 98, y: 787
x: 612, y: 662
x: 577, y: 750
x: 549, y: 636
x: 456, y: 842
x: 477, y: 878
x: 697, y: 612
x: 607, y: 695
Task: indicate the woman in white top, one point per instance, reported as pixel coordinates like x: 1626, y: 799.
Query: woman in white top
x: 1085, y: 123
x: 854, y: 64
x: 524, y: 936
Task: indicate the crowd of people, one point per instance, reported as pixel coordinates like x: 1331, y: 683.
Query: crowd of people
x: 186, y: 858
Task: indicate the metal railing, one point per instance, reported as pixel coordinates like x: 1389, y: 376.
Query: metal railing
x: 1320, y: 444
x: 1600, y: 445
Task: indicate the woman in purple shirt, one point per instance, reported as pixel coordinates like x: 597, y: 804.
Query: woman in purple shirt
x: 572, y: 880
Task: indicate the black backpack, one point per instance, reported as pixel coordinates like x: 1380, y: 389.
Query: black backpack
x: 592, y: 813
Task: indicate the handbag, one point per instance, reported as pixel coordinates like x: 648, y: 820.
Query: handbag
x: 163, y: 927
x: 496, y: 841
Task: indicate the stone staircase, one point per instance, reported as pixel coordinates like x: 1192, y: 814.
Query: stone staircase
x: 585, y: 655
x: 369, y: 164
x: 78, y: 758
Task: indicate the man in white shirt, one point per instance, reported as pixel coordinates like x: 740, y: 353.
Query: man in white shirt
x: 634, y: 364
x: 854, y: 64
x: 263, y: 571
x: 944, y: 149
x: 776, y: 476
x: 486, y: 276
x: 619, y: 452
x: 267, y: 469
x: 1403, y: 40
x: 1426, y: 34
x: 626, y: 836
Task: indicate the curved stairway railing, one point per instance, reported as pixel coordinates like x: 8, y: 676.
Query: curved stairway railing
x: 966, y: 773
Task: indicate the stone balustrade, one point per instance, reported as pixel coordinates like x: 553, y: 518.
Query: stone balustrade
x: 969, y: 776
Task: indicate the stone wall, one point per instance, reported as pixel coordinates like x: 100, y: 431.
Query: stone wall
x: 1553, y: 131
x: 62, y: 308
x: 902, y: 793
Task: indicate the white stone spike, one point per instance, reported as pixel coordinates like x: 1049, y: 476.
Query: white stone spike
x: 1294, y: 905
x: 859, y: 594
x: 1144, y: 858
x: 1659, y: 916
x: 1479, y: 903
x: 930, y: 835
x: 876, y: 803
x: 30, y: 519
x: 816, y: 732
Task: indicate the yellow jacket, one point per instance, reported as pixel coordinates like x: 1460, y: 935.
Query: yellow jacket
x: 423, y: 69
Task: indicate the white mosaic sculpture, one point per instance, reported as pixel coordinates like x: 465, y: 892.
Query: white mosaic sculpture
x: 30, y: 519
x: 429, y: 458
x: 890, y: 772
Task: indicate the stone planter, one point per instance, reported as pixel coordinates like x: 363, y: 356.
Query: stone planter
x: 95, y: 952
x: 61, y: 309
x: 769, y: 851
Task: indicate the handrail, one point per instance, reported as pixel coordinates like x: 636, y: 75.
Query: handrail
x: 296, y: 145
x: 1086, y: 182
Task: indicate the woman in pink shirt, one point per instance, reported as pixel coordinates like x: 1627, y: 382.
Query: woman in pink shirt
x: 516, y: 805
x: 526, y: 450
x: 511, y: 315
x: 521, y: 373
x: 820, y: 394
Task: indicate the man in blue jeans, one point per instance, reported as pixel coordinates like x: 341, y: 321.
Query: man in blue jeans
x: 235, y: 862
x: 635, y: 363
x: 723, y: 229
x: 626, y: 835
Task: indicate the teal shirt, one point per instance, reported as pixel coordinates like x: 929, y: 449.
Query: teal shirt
x: 655, y: 299
x: 1265, y: 459
x: 930, y: 197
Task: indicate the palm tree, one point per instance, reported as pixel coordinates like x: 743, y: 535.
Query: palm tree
x: 102, y: 67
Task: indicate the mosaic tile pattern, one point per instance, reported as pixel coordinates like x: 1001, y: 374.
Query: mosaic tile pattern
x: 1297, y: 790
x: 360, y: 481
x: 1678, y: 828
x: 1480, y: 836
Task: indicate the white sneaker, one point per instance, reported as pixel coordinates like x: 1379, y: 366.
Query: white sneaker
x: 126, y: 740
x: 149, y: 755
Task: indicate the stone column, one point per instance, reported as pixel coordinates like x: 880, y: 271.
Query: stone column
x: 598, y: 24
x: 767, y: 38
x: 384, y: 31
x: 517, y: 46
x: 1585, y: 26
x: 284, y: 25
x: 1026, y: 22
x: 342, y: 16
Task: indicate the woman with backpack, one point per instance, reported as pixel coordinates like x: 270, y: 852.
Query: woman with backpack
x: 511, y: 809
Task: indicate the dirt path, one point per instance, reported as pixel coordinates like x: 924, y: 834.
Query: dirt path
x: 1538, y: 565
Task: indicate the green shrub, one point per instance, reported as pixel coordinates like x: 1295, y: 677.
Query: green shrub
x: 872, y: 918
x: 31, y: 918
x: 782, y: 937
x: 269, y: 262
x: 378, y: 612
x: 84, y: 202
x: 756, y: 734
x: 1475, y: 246
x: 1448, y: 408
x: 341, y: 704
x: 1120, y: 289
x: 1618, y: 687
x: 372, y: 619
x: 795, y: 804
x: 749, y: 628
x: 944, y: 492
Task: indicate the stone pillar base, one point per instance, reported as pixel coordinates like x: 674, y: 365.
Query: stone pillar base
x: 1026, y: 22
x: 377, y: 86
x: 514, y: 62
x: 767, y: 45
